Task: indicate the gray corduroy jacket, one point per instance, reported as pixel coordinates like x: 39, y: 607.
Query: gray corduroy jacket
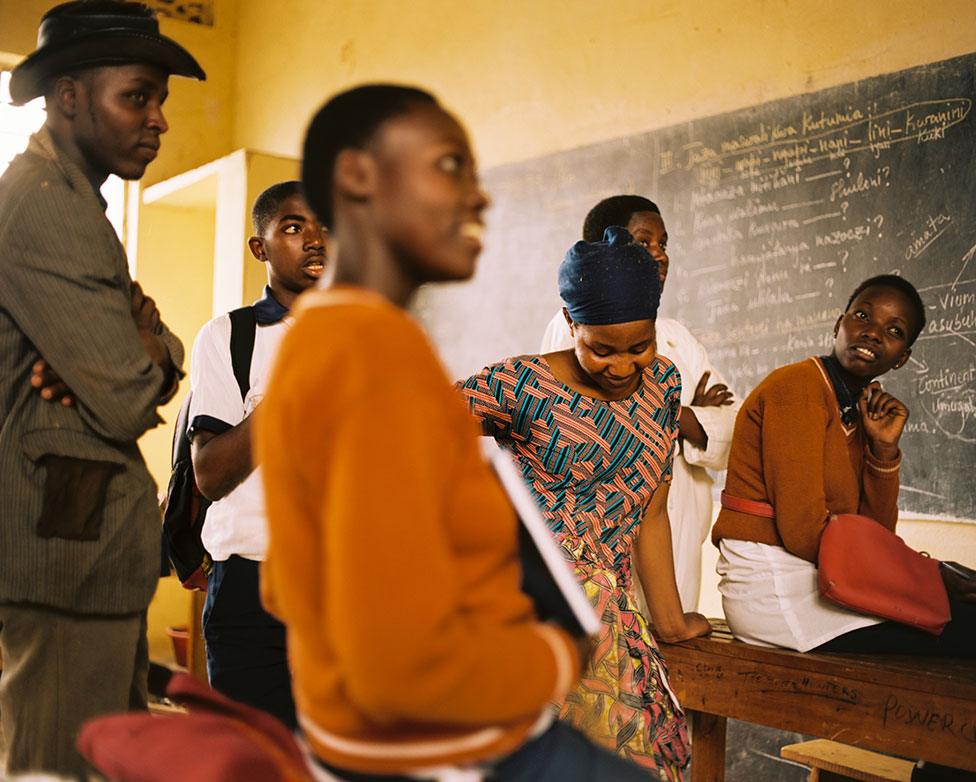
x: 79, y: 523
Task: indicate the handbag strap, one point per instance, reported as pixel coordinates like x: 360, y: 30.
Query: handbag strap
x: 749, y: 507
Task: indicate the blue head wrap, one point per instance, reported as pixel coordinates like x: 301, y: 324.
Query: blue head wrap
x: 613, y: 281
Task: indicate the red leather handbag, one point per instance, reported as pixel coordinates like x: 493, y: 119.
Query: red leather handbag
x: 868, y: 568
x: 218, y: 741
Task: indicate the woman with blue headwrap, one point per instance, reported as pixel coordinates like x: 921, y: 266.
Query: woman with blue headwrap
x: 593, y: 429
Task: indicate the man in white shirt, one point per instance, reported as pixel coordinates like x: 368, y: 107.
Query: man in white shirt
x: 707, y: 412
x: 246, y: 657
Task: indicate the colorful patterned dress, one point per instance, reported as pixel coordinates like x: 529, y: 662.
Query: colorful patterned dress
x: 593, y: 466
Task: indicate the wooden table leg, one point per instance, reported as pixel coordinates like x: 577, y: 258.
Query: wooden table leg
x: 708, y: 747
x: 196, y: 648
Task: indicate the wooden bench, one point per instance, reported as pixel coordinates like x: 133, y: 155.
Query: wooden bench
x: 913, y: 707
x: 830, y: 761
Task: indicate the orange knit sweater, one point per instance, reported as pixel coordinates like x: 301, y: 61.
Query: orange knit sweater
x: 790, y: 449
x: 393, y: 551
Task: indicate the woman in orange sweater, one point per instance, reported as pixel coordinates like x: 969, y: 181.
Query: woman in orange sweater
x: 815, y: 439
x: 393, y: 551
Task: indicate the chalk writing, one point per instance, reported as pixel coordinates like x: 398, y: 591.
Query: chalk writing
x: 956, y: 324
x: 702, y: 197
x: 769, y: 251
x: 771, y: 227
x: 853, y: 234
x: 829, y: 121
x: 935, y: 226
x: 753, y: 207
x: 844, y: 187
x: 954, y: 299
x: 831, y: 136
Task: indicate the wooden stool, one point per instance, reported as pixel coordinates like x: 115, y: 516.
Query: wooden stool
x: 166, y: 709
x: 196, y: 648
x: 831, y: 761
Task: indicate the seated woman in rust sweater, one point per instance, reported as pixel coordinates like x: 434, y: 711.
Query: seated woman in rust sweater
x: 811, y: 452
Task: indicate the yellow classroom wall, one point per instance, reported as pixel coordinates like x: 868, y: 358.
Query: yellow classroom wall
x: 175, y: 258
x: 529, y: 77
x: 200, y: 114
x: 175, y: 262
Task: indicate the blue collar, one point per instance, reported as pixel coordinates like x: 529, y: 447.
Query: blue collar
x: 267, y: 310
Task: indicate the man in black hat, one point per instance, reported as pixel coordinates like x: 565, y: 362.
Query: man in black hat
x: 79, y: 526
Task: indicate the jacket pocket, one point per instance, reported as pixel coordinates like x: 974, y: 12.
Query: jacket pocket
x: 75, y: 470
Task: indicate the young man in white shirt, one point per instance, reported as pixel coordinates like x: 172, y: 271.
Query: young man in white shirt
x: 707, y: 411
x: 246, y: 658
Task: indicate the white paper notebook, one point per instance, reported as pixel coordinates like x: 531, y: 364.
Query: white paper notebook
x: 546, y: 575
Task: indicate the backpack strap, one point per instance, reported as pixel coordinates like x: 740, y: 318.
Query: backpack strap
x: 181, y: 446
x: 243, y: 325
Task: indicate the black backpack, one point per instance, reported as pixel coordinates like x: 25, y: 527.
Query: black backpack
x: 186, y: 508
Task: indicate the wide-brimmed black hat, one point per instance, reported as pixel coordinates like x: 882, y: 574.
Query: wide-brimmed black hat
x: 86, y: 33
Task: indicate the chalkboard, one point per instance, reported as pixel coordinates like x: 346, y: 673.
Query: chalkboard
x: 775, y: 213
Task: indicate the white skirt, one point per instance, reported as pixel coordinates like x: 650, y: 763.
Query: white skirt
x: 770, y: 598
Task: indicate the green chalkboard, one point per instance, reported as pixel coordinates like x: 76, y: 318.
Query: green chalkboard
x: 775, y: 213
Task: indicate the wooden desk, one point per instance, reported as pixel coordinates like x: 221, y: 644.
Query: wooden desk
x: 909, y: 706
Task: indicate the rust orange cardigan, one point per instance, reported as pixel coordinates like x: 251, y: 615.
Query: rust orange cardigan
x: 790, y: 449
x: 393, y: 551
